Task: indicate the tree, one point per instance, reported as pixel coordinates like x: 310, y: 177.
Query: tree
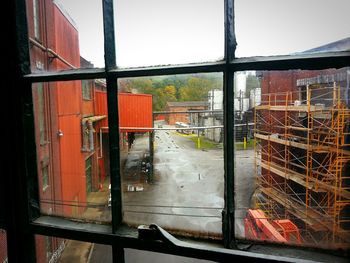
x: 196, y: 89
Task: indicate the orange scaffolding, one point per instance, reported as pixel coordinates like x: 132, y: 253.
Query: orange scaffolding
x: 303, y: 162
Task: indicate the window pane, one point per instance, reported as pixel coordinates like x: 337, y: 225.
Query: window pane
x: 138, y: 256
x: 158, y: 32
x: 273, y: 27
x: 62, y: 37
x: 3, y: 246
x: 173, y: 175
x: 86, y: 89
x: 53, y: 249
x: 292, y: 157
x: 73, y: 166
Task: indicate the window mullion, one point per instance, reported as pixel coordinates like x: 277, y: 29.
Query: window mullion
x: 113, y: 113
x: 109, y: 38
x: 113, y: 124
x: 228, y: 212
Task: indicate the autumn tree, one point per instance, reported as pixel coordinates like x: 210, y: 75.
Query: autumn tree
x: 196, y: 89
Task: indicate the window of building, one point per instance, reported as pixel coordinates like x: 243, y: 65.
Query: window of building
x: 48, y: 247
x: 36, y: 19
x: 45, y: 177
x: 88, y: 174
x: 87, y: 89
x: 282, y: 157
x: 42, y: 113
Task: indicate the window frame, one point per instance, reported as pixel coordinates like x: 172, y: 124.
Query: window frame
x: 24, y: 220
x: 37, y: 20
x: 86, y: 90
x: 42, y: 113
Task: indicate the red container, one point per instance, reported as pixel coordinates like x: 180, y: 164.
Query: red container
x: 135, y: 111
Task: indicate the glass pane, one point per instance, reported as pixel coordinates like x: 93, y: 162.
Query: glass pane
x: 273, y: 27
x: 138, y: 256
x: 3, y: 246
x: 54, y: 249
x: 163, y: 32
x: 62, y: 37
x: 292, y: 157
x: 172, y: 152
x: 72, y: 150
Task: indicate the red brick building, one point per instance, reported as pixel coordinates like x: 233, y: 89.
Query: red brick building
x: 183, y: 106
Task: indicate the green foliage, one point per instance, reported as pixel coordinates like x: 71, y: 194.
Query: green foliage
x: 173, y: 88
x: 196, y: 89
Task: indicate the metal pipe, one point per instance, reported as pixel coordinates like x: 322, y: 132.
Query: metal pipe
x: 48, y: 50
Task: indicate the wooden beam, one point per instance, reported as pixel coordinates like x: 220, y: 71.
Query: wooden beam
x: 299, y: 178
x: 310, y: 147
x: 303, y: 108
x: 311, y: 217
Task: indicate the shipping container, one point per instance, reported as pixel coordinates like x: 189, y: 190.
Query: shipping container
x: 135, y: 111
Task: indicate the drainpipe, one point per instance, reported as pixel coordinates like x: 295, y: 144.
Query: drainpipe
x: 91, y: 135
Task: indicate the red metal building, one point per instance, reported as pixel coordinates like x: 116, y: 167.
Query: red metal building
x: 70, y: 120
x: 3, y: 246
x: 54, y: 45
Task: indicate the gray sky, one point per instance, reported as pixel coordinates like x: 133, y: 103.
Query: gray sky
x: 161, y: 32
x: 275, y: 27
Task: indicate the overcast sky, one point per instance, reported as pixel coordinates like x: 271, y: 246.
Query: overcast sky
x: 161, y: 32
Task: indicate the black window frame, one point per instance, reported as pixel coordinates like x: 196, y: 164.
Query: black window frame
x: 22, y: 219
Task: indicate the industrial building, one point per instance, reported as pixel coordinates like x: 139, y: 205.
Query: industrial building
x: 177, y: 107
x: 71, y: 124
x: 59, y: 141
x: 302, y: 132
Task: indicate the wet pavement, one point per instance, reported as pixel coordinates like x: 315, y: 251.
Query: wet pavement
x: 187, y: 193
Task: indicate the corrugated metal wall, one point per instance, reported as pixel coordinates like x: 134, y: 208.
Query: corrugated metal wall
x: 69, y: 97
x: 67, y: 38
x: 72, y: 161
x: 101, y: 107
x: 135, y: 110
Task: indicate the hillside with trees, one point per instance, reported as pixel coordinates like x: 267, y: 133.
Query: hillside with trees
x: 192, y: 87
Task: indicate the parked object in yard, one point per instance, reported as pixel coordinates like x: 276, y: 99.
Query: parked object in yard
x: 258, y: 227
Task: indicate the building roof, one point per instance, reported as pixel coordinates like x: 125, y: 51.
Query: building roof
x: 187, y: 104
x: 66, y: 14
x: 340, y: 45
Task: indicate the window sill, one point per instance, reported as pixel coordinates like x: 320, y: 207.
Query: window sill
x: 127, y: 237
